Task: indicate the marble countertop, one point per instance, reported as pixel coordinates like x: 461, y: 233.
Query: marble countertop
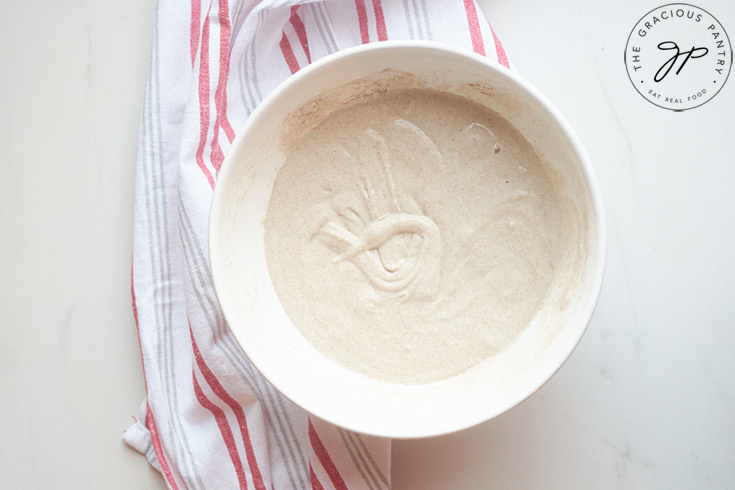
x: 645, y: 402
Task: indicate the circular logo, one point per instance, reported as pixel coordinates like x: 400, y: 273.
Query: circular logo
x: 678, y: 56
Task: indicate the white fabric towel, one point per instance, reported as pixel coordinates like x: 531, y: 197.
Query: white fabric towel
x: 209, y: 420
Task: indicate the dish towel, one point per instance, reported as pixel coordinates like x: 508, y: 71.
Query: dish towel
x: 209, y: 420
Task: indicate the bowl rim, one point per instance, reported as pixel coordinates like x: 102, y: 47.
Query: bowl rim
x: 599, y: 233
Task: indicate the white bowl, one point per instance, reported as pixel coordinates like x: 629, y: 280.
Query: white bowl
x: 294, y: 366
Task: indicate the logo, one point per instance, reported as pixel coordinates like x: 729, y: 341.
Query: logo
x: 678, y: 56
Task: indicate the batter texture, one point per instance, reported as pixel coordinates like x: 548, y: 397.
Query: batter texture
x: 412, y: 234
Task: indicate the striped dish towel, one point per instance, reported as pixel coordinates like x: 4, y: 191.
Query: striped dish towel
x: 209, y: 420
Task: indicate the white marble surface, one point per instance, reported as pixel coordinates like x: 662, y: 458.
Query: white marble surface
x: 646, y: 401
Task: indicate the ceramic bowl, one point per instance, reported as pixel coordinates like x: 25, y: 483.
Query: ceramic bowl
x: 295, y: 367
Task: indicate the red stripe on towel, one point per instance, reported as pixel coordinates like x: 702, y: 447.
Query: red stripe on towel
x: 220, y: 93
x: 196, y: 20
x: 362, y: 19
x: 300, y: 30
x: 380, y: 20
x: 474, y: 25
x: 224, y: 428
x: 288, y: 55
x: 325, y: 459
x: 204, y: 101
x: 315, y: 483
x: 221, y: 392
x: 156, y: 441
x: 502, y: 57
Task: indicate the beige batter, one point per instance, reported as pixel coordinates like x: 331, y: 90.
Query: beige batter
x: 412, y: 234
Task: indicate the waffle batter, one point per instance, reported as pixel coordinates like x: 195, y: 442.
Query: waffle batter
x: 411, y: 234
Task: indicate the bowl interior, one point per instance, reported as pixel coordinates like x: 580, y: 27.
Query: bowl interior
x: 323, y: 387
